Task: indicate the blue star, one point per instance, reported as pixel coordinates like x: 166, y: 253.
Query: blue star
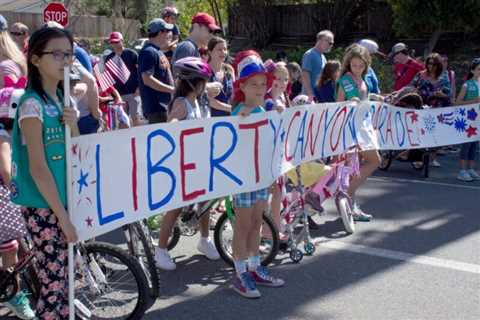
x: 472, y: 114
x: 82, y: 182
x: 461, y: 111
x: 460, y: 124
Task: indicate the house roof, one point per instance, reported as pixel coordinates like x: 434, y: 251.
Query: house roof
x: 22, y: 5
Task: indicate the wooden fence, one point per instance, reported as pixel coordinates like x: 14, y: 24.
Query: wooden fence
x: 82, y: 26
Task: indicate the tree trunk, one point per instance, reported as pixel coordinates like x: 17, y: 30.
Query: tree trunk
x: 432, y: 42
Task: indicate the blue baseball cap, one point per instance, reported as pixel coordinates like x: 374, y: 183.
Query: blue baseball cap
x: 157, y: 25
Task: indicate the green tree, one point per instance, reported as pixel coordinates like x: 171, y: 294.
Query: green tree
x: 435, y: 17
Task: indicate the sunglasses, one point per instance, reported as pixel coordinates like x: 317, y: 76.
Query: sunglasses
x: 60, y: 55
x: 17, y: 34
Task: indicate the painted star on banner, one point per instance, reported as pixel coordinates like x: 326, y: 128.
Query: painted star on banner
x: 472, y: 114
x: 82, y: 181
x: 89, y: 221
x: 471, y: 131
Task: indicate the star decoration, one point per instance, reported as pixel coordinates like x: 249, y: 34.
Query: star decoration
x: 422, y: 131
x: 461, y: 111
x: 471, y: 131
x: 440, y: 118
x: 89, y: 221
x: 82, y: 181
x: 460, y: 124
x: 472, y: 114
x: 414, y: 117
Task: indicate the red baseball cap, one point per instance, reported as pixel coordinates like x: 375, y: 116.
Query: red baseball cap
x: 206, y: 20
x: 115, y: 37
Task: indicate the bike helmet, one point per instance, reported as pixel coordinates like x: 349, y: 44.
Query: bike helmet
x: 300, y: 100
x: 192, y: 68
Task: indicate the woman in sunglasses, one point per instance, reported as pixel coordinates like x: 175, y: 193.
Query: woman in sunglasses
x: 20, y: 34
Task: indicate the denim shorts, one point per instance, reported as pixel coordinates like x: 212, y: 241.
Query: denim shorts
x: 248, y: 199
x: 88, y: 124
x: 468, y: 151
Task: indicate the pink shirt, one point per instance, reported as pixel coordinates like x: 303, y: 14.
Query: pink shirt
x: 11, y: 69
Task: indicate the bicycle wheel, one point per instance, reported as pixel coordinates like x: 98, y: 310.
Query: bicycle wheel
x: 386, y: 159
x: 174, y: 238
x: 345, y: 209
x: 223, y: 237
x: 141, y: 247
x: 110, y: 283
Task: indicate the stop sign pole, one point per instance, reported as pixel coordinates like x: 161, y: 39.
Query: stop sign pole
x: 56, y: 11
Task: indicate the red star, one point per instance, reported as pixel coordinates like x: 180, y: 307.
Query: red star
x: 471, y: 131
x: 414, y: 117
x: 74, y: 149
x: 89, y: 221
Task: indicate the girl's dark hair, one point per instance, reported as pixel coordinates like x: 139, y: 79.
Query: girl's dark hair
x: 184, y: 87
x: 328, y: 72
x: 212, y: 43
x: 475, y: 63
x: 36, y: 45
x: 436, y: 60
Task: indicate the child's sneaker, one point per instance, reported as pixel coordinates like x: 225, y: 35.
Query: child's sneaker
x: 360, y: 215
x: 163, y: 260
x: 263, y: 278
x: 474, y: 174
x: 464, y: 175
x: 208, y: 249
x: 20, y: 306
x: 245, y: 286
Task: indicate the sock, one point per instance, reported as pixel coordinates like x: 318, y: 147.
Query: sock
x: 253, y: 263
x: 203, y: 240
x: 240, y: 266
x: 162, y: 250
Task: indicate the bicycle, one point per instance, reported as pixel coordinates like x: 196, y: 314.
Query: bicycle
x: 102, y: 289
x: 187, y: 225
x: 141, y: 247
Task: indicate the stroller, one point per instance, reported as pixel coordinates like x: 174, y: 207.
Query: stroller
x: 419, y: 159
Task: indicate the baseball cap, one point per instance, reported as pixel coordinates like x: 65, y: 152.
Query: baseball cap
x: 205, y: 19
x: 115, y: 37
x: 157, y: 25
x: 399, y: 47
x: 3, y: 23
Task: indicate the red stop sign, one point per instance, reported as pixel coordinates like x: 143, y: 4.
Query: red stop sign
x: 56, y: 11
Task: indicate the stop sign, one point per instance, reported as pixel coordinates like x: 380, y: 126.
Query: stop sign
x: 56, y: 11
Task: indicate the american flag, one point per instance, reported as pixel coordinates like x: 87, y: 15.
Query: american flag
x: 118, y: 69
x: 104, y: 78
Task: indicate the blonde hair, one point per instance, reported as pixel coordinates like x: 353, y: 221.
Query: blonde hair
x: 10, y: 51
x: 356, y: 51
x: 20, y: 26
x: 281, y: 67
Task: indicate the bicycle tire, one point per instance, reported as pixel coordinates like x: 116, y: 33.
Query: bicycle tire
x: 101, y: 248
x: 345, y: 209
x: 148, y: 257
x: 174, y: 238
x: 227, y: 256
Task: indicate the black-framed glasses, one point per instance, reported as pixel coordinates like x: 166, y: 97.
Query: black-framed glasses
x: 17, y: 34
x: 60, y: 55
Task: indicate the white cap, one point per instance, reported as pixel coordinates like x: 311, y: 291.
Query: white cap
x: 370, y: 45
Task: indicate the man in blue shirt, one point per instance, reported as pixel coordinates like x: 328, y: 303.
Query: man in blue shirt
x: 155, y: 76
x: 314, y: 60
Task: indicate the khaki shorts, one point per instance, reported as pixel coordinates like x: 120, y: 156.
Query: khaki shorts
x: 134, y: 105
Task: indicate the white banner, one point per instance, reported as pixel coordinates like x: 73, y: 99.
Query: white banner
x: 123, y: 176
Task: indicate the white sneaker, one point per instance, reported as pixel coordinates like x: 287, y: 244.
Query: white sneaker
x: 163, y: 260
x: 436, y: 164
x: 464, y: 175
x: 474, y: 174
x: 208, y: 249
